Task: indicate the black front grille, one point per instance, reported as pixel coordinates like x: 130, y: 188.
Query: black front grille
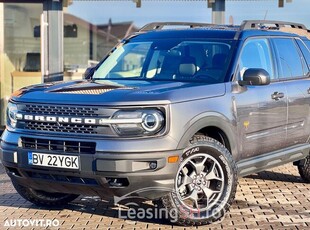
x: 68, y: 112
x: 65, y: 110
x: 59, y: 145
x: 61, y: 178
x: 61, y: 128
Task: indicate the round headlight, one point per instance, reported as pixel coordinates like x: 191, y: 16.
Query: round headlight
x: 11, y: 114
x: 152, y: 121
x: 142, y: 122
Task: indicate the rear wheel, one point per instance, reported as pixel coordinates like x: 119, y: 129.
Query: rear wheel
x: 42, y: 198
x: 205, y: 184
x: 304, y: 169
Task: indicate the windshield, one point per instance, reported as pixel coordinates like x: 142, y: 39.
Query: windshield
x: 167, y: 60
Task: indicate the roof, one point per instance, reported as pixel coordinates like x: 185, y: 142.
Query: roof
x: 254, y: 33
x: 196, y: 33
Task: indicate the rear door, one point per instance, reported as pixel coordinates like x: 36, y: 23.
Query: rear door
x: 294, y: 73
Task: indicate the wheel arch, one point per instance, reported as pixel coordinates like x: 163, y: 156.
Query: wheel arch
x: 215, y: 126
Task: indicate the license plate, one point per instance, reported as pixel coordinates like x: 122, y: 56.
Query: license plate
x: 52, y: 160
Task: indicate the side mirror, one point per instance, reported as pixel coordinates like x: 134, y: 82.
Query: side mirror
x: 255, y: 76
x: 89, y: 72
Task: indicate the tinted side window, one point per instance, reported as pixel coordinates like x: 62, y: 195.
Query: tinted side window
x: 308, y: 44
x: 305, y: 51
x: 290, y: 61
x: 256, y: 54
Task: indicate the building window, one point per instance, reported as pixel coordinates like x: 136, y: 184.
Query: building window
x: 20, y: 49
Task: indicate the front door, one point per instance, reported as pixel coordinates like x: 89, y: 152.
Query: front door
x: 261, y: 110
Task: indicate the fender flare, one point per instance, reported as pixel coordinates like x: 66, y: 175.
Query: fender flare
x: 211, y: 119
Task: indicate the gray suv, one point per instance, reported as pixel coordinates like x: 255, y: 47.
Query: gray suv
x: 172, y: 115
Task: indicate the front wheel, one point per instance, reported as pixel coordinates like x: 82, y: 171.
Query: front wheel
x: 42, y: 198
x: 205, y: 184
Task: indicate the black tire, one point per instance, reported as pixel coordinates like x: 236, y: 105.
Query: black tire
x: 304, y: 169
x: 214, y: 186
x: 42, y: 198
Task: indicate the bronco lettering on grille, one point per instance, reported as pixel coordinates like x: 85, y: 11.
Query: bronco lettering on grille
x: 76, y: 120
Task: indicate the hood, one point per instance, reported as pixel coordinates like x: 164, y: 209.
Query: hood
x: 120, y: 92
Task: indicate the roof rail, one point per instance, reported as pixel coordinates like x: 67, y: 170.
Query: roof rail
x: 260, y: 24
x: 246, y: 25
x: 161, y: 25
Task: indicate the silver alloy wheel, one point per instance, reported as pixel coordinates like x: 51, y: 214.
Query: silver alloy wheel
x: 200, y: 182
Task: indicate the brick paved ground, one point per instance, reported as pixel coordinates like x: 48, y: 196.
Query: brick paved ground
x: 275, y: 199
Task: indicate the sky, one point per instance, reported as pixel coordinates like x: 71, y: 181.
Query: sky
x: 99, y: 12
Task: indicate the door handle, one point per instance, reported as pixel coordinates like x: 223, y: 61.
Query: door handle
x: 276, y: 96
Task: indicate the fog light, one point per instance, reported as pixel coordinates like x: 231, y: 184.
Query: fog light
x: 153, y: 165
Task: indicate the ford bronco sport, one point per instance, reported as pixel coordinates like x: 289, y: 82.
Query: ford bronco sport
x: 170, y: 114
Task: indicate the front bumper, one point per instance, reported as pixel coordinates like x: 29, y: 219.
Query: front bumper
x: 104, y: 174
